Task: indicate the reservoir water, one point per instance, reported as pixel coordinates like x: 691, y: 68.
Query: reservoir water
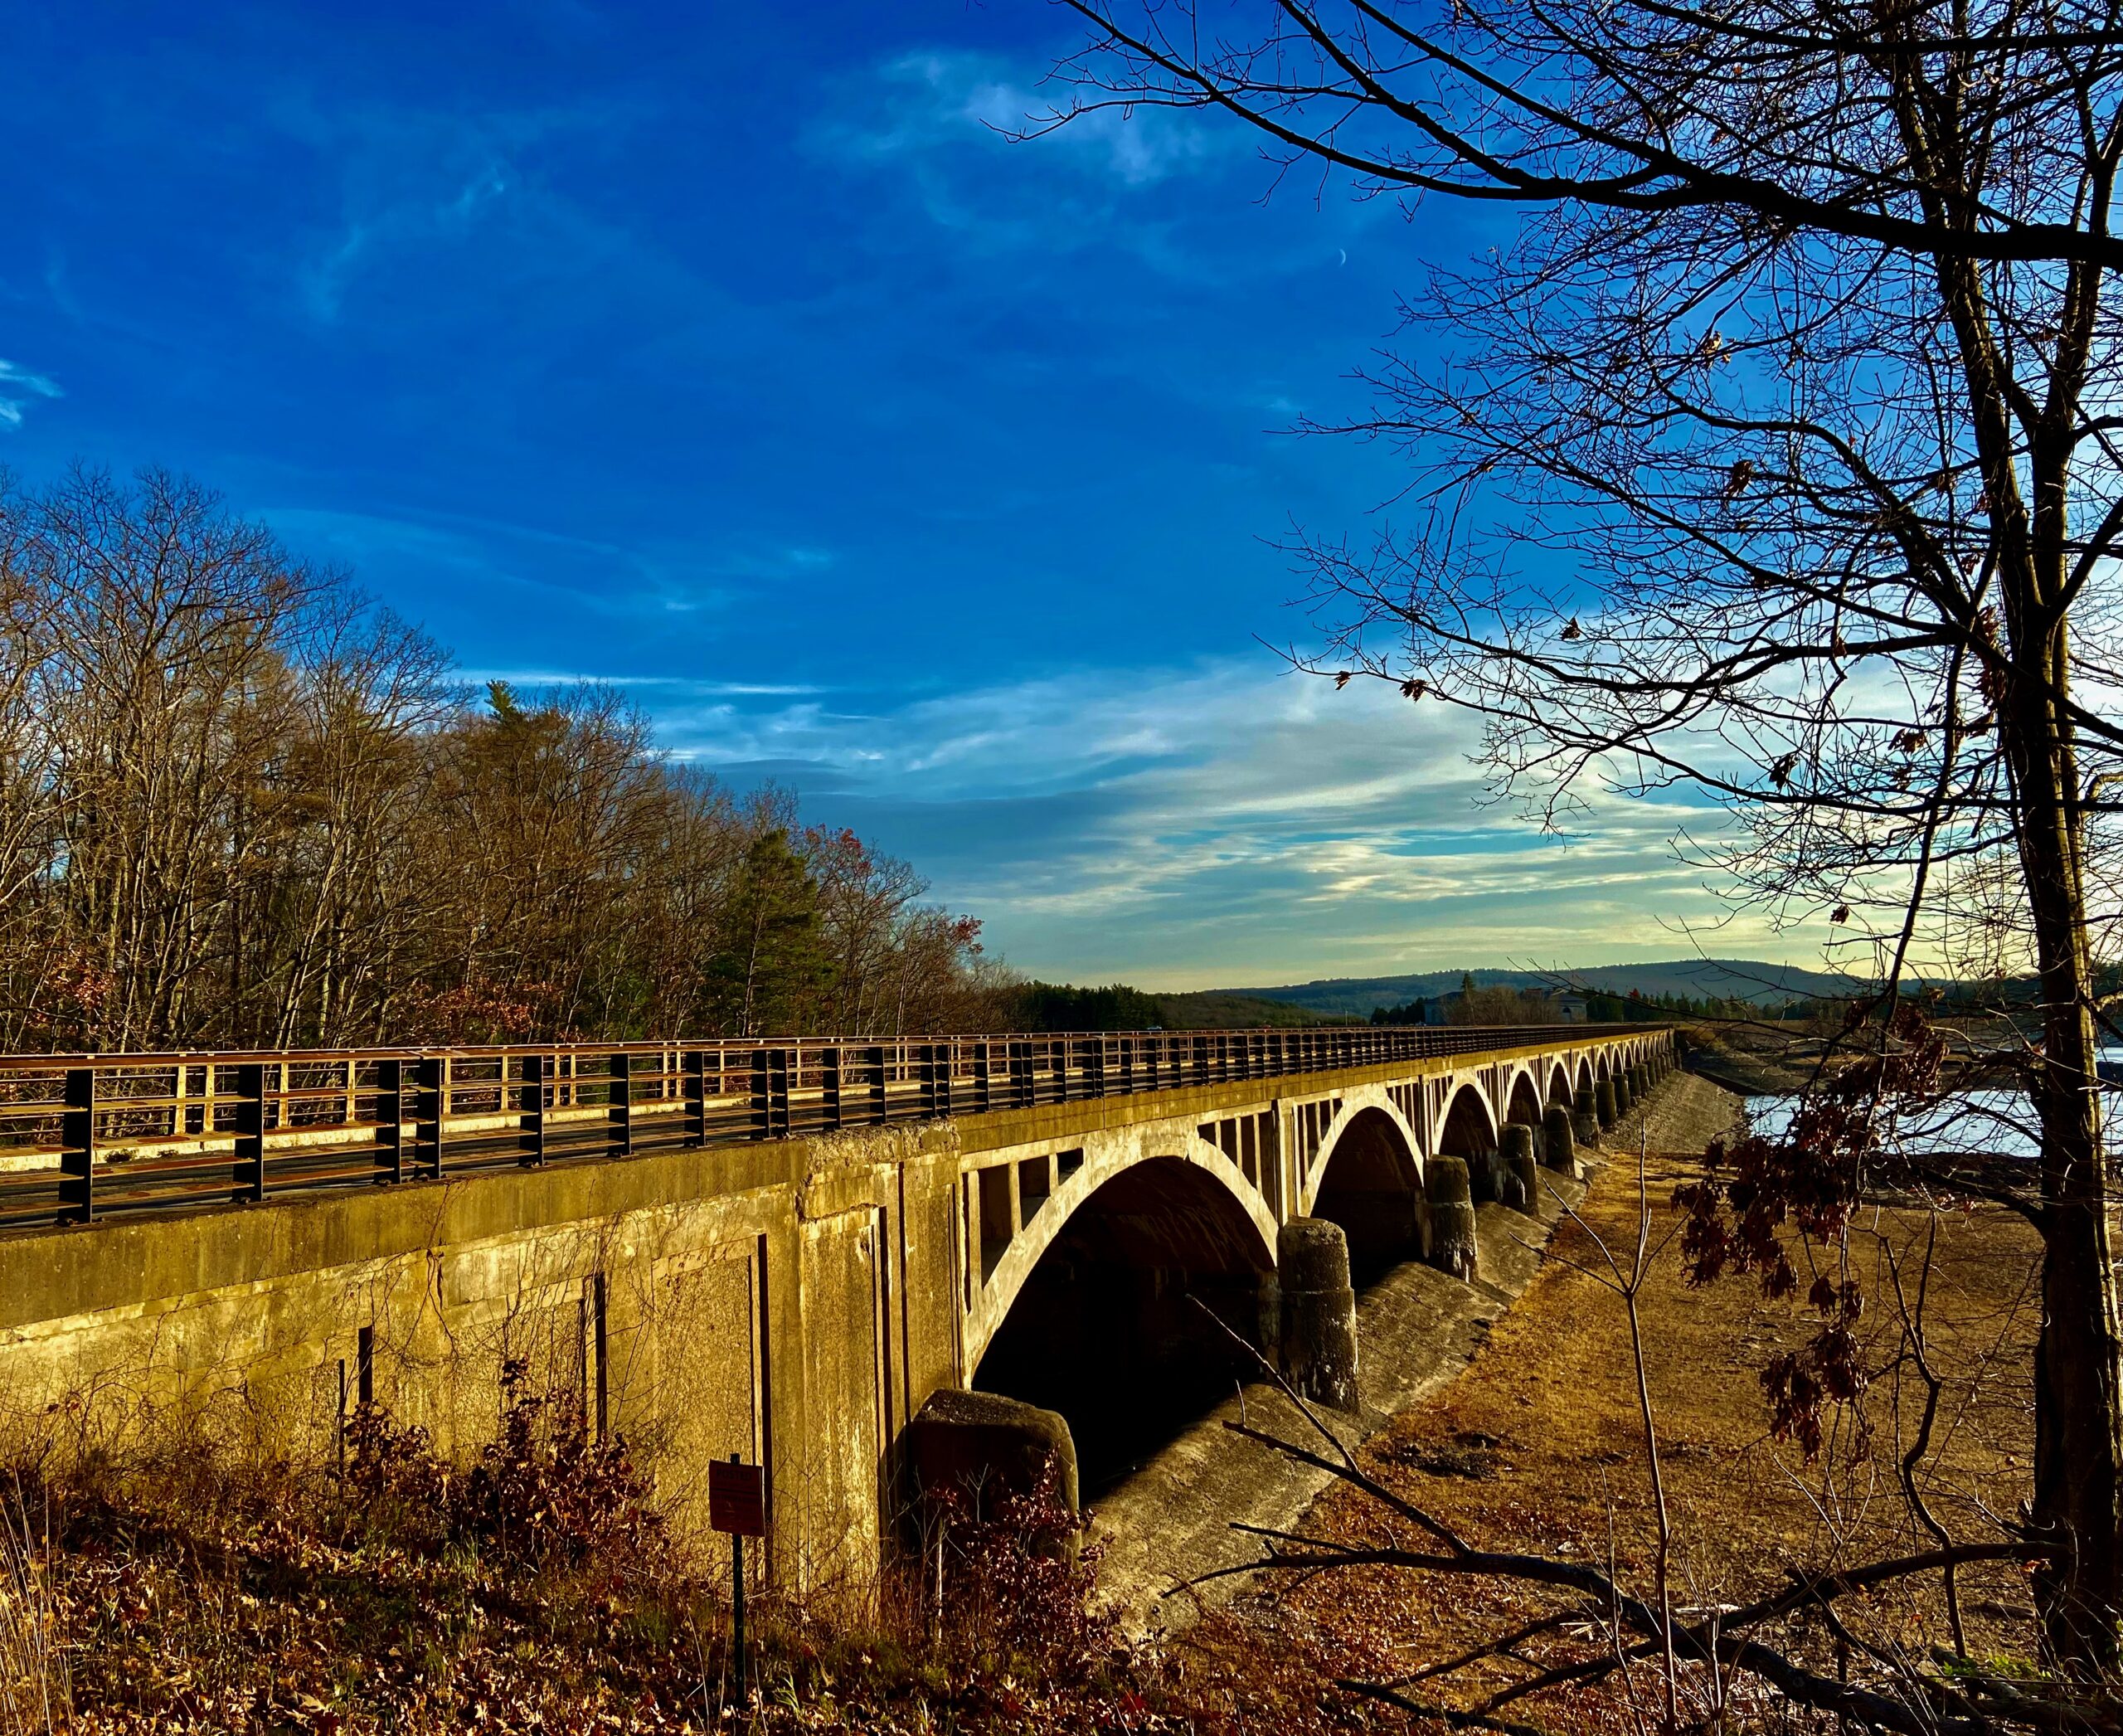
x: 1989, y: 1121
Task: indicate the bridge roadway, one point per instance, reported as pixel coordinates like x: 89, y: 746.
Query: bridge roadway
x: 779, y: 1250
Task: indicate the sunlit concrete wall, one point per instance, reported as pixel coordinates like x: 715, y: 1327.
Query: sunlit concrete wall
x: 792, y: 1302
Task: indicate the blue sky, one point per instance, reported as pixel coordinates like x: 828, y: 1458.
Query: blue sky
x: 733, y: 355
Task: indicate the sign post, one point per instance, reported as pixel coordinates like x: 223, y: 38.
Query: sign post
x: 736, y: 1504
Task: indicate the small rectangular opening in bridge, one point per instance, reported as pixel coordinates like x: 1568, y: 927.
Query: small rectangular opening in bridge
x: 998, y: 1218
x: 1034, y: 1184
x: 1066, y: 1163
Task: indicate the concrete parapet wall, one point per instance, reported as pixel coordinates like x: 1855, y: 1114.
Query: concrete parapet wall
x: 793, y: 1301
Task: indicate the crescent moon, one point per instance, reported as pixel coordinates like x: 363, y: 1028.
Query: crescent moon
x: 1345, y: 252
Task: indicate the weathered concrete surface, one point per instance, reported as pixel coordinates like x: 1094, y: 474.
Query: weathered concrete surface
x: 794, y: 1302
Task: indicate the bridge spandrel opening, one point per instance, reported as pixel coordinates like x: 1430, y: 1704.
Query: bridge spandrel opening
x: 1371, y: 1187
x: 1468, y: 1131
x: 1108, y: 1327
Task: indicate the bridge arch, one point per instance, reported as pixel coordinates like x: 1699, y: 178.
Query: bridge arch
x: 1095, y: 1316
x: 1223, y: 1191
x: 1368, y: 1179
x: 1558, y: 1090
x: 1468, y: 1127
x: 1523, y: 1104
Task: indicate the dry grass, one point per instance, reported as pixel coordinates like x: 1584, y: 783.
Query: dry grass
x: 33, y: 1668
x: 1539, y: 1445
x: 535, y: 1592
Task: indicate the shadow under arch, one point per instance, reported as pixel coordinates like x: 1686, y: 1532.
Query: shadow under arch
x: 1525, y: 1103
x: 1371, y: 1183
x: 1584, y: 1072
x: 1468, y: 1128
x: 1559, y: 1085
x: 1104, y: 1329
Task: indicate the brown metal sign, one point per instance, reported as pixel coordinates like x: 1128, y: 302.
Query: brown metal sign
x: 736, y: 1498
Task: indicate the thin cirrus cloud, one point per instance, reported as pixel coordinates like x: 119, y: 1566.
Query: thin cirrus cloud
x: 416, y: 182
x: 18, y: 386
x: 1007, y: 167
x: 436, y: 556
x: 934, y: 100
x: 1203, y: 826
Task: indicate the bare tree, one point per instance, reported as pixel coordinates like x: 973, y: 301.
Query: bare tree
x: 1773, y: 456
x: 241, y: 805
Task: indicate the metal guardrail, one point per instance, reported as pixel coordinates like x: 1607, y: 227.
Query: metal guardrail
x: 87, y: 1137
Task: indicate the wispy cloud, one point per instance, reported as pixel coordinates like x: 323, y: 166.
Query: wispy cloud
x: 1218, y: 823
x: 933, y: 100
x: 683, y: 685
x: 17, y: 387
x: 410, y: 548
x: 408, y: 218
x: 1011, y: 168
x: 414, y: 183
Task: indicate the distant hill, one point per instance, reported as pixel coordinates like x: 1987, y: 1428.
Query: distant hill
x: 1346, y: 997
x: 1038, y: 1006
x: 1212, y: 1009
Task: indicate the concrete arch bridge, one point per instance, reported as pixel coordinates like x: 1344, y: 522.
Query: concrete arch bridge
x: 783, y: 1251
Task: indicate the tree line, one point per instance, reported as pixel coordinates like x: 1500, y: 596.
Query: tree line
x: 242, y: 805
x: 1502, y: 1003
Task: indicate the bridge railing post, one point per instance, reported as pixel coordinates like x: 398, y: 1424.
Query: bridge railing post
x: 831, y: 1107
x: 622, y: 1103
x: 1123, y: 1068
x: 251, y: 1130
x: 531, y: 1106
x: 692, y: 1086
x: 770, y: 1106
x: 77, y: 1136
x: 427, y: 1108
x: 1095, y: 1067
x: 390, y: 1095
x: 933, y: 1059
x: 879, y: 1104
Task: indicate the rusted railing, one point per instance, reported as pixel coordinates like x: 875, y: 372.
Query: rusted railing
x: 83, y: 1137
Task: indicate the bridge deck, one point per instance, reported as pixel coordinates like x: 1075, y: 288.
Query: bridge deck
x: 83, y: 1137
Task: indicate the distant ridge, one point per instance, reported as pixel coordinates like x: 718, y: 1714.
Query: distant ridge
x: 1727, y: 979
